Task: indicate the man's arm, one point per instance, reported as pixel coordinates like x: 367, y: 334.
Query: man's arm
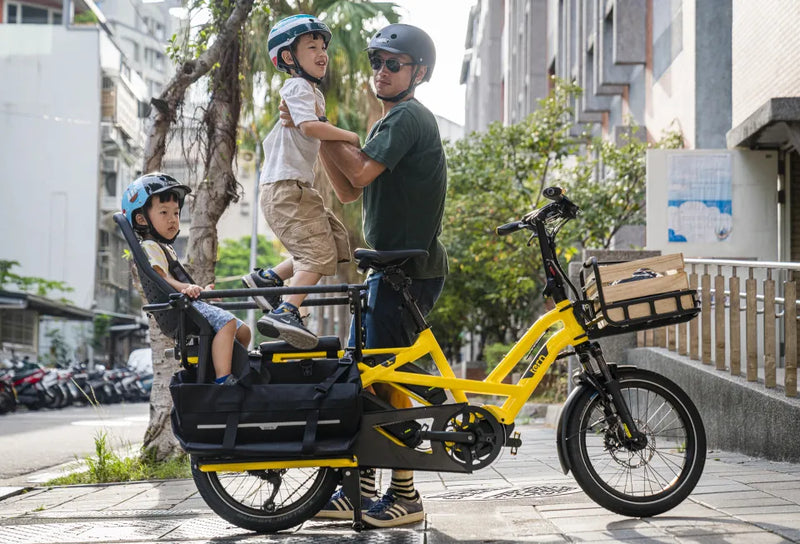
x: 354, y: 164
x: 344, y: 190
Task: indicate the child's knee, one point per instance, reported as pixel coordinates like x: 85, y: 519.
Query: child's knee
x: 243, y: 335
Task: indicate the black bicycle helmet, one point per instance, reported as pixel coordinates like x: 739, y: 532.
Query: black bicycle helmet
x: 410, y: 40
x: 141, y: 190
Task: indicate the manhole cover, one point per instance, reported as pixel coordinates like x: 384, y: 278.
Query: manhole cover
x: 502, y: 494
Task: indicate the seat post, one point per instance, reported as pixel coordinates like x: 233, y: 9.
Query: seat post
x: 395, y: 276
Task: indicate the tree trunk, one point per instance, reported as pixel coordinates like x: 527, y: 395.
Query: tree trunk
x: 219, y: 185
x: 159, y: 442
x: 158, y: 437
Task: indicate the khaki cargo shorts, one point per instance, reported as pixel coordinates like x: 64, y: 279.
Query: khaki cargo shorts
x: 309, y: 231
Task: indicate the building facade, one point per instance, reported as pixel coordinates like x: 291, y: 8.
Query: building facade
x: 71, y: 133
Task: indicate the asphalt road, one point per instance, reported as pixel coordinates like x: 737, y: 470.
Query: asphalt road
x: 34, y: 440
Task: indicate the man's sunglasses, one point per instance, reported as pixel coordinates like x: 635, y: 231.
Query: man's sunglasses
x: 393, y: 65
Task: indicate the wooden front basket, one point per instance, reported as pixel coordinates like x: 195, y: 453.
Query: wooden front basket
x: 637, y: 295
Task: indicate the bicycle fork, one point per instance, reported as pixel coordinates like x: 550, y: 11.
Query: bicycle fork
x: 614, y: 406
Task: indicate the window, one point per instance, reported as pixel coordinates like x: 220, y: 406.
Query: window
x: 18, y: 327
x: 22, y: 13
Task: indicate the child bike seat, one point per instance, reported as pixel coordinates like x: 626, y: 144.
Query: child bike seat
x: 379, y: 260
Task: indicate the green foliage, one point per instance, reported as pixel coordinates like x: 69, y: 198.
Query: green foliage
x: 494, y: 353
x: 59, y: 348
x: 107, y: 466
x: 101, y: 324
x: 497, y: 176
x: 86, y: 18
x: 29, y: 284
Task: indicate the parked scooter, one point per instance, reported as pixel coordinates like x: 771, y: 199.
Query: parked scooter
x: 8, y: 395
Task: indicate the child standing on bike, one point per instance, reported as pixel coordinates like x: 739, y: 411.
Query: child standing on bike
x: 294, y: 210
x: 152, y: 205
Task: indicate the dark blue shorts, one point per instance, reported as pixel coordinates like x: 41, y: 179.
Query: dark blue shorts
x: 386, y: 322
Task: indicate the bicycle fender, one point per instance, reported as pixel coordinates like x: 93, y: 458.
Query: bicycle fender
x: 569, y: 406
x: 561, y: 429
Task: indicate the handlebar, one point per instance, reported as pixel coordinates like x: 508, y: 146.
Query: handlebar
x: 560, y: 208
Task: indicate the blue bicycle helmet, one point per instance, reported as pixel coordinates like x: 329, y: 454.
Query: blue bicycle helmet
x: 135, y: 198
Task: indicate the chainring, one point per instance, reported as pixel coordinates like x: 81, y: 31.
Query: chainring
x: 489, y: 437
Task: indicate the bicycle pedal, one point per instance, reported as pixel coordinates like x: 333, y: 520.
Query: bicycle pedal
x: 514, y: 442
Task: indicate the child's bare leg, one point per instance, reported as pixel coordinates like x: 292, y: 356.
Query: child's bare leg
x: 243, y: 335
x: 284, y: 269
x: 302, y: 278
x: 222, y: 349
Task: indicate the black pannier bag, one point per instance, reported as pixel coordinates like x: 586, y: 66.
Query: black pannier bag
x: 299, y: 408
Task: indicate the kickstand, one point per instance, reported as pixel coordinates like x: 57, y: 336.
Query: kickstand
x: 351, y: 484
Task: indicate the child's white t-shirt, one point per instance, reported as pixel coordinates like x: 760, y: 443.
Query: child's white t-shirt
x: 288, y: 154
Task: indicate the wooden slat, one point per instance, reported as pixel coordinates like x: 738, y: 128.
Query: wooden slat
x: 694, y: 343
x: 660, y: 337
x: 683, y: 344
x: 735, y: 320
x: 642, y: 288
x: 640, y: 339
x: 705, y: 315
x: 790, y: 337
x: 670, y: 337
x: 662, y: 264
x: 719, y: 322
x: 769, y: 333
x: 751, y: 328
x: 649, y: 337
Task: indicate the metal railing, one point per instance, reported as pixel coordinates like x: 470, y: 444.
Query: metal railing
x: 755, y: 328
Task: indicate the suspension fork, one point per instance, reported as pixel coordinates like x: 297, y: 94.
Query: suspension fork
x: 608, y: 386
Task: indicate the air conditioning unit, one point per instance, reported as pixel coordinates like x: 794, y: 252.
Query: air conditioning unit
x: 110, y: 164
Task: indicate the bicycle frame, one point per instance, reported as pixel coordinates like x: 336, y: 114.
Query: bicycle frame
x: 569, y: 333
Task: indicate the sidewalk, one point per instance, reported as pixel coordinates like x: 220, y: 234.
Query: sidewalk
x: 518, y: 499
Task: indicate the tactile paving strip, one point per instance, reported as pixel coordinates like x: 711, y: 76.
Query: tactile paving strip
x: 478, y: 494
x: 200, y: 529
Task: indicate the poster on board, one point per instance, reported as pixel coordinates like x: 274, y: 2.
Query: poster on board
x: 699, y: 198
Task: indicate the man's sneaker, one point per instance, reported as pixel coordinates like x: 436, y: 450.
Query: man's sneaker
x: 392, y: 511
x: 289, y: 326
x: 340, y: 507
x: 255, y: 280
x: 230, y: 380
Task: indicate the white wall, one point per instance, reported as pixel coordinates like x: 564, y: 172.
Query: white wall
x: 754, y: 206
x: 49, y: 148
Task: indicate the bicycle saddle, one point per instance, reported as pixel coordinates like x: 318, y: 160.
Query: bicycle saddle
x: 370, y: 258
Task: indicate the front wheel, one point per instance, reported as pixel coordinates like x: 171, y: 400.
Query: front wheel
x: 637, y: 480
x: 267, y: 500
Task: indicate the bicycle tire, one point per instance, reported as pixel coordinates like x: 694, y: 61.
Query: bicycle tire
x: 244, y: 498
x: 638, y: 483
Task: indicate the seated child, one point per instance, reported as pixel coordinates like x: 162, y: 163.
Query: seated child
x: 152, y: 205
x: 293, y: 208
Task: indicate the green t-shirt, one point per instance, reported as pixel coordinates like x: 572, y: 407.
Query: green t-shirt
x: 403, y: 206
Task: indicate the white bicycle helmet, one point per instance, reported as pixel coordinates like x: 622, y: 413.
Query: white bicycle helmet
x: 286, y: 31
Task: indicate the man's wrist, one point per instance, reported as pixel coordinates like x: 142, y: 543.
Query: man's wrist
x: 322, y: 118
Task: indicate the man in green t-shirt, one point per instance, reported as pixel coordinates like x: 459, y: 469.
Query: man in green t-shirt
x: 402, y: 174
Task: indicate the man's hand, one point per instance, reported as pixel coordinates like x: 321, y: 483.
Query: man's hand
x: 286, y: 118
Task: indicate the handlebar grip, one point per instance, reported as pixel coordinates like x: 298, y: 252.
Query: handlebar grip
x: 553, y: 193
x: 508, y: 228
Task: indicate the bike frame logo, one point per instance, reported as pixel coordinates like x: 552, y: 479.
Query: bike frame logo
x: 540, y: 358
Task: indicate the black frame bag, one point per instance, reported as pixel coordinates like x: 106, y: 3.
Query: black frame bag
x: 301, y: 408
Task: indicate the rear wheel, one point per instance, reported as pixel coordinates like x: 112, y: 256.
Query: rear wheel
x: 649, y: 478
x: 266, y: 501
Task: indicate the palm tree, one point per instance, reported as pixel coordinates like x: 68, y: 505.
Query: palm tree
x: 350, y: 103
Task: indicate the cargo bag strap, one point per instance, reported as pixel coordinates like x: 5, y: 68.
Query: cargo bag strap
x: 322, y: 389
x: 232, y: 421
